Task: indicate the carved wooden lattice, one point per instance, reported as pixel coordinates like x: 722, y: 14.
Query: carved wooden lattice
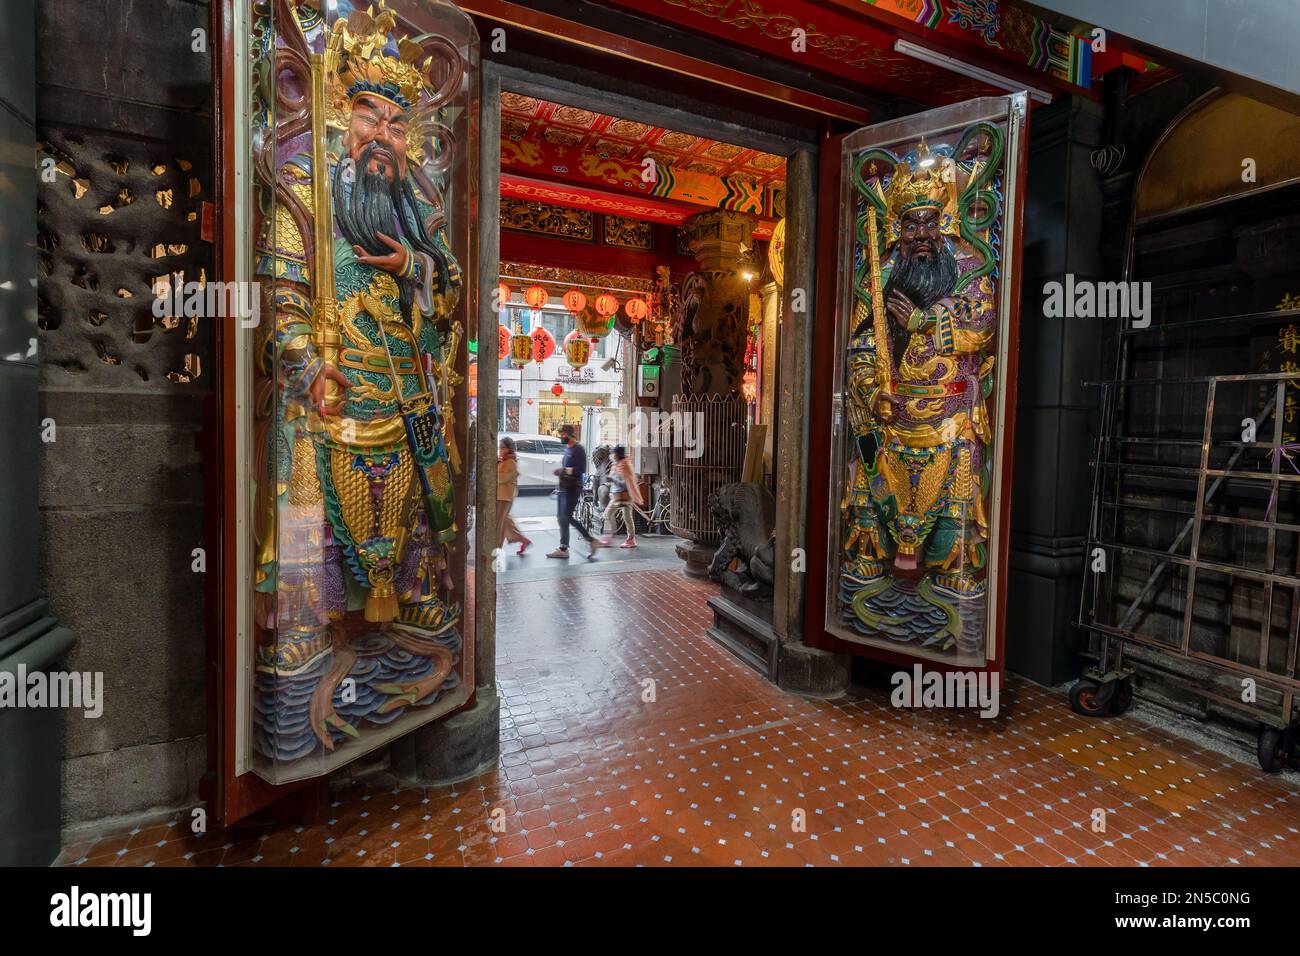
x: 119, y: 223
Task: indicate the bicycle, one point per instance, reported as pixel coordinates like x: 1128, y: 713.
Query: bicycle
x: 656, y: 520
x: 586, y: 511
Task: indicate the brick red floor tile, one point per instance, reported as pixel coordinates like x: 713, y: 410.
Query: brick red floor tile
x: 721, y: 767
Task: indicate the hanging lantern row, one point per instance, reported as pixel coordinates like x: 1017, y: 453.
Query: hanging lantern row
x: 536, y: 297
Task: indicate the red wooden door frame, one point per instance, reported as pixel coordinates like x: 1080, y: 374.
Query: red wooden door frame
x: 229, y: 798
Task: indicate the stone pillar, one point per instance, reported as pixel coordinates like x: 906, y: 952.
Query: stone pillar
x: 30, y: 637
x: 770, y: 297
x: 710, y: 326
x: 800, y: 668
x: 1051, y: 481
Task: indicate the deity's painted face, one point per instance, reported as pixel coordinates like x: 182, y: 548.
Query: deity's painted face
x: 919, y: 234
x: 377, y: 121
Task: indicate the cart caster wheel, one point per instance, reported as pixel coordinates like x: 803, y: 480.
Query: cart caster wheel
x: 1122, y: 699
x: 1087, y: 697
x: 1275, y: 748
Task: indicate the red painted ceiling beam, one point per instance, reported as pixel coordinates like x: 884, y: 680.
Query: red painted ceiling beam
x: 648, y: 56
x: 594, y: 200
x: 898, y: 27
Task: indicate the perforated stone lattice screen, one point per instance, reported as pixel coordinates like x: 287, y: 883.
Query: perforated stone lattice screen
x: 120, y: 223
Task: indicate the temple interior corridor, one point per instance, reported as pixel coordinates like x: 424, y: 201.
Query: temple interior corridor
x: 715, y: 769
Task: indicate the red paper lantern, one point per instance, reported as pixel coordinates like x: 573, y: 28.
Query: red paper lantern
x: 599, y: 402
x: 636, y: 309
x: 536, y: 297
x: 503, y: 294
x: 557, y: 389
x: 577, y: 349
x: 503, y: 342
x: 521, y: 349
x: 543, y: 344
x: 530, y: 401
x: 575, y: 301
x: 606, y: 304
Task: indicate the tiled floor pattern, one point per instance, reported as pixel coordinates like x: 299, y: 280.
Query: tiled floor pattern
x: 710, y: 765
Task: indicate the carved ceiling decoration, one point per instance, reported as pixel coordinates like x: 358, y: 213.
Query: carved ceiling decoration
x: 588, y: 281
x: 548, y: 220
x: 545, y: 140
x: 628, y: 233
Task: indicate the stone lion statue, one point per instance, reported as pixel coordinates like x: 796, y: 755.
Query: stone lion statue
x: 746, y: 515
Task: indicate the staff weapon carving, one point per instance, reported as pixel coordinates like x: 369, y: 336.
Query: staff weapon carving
x: 324, y: 306
x: 879, y: 323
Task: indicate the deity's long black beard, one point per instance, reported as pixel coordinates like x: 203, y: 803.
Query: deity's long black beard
x: 374, y: 205
x: 924, y: 281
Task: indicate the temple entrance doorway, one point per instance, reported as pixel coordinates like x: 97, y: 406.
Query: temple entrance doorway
x: 639, y: 287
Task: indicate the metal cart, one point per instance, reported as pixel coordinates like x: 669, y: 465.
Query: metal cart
x: 1226, y: 562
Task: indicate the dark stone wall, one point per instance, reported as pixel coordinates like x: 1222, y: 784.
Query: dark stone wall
x: 124, y: 106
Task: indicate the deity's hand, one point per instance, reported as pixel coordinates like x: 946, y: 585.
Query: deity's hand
x: 394, y: 262
x: 899, y: 308
x: 327, y: 373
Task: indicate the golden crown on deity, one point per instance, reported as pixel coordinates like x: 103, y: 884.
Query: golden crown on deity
x: 932, y: 184
x: 360, y: 58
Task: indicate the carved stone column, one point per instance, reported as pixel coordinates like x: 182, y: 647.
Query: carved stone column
x: 714, y: 307
x: 710, y: 326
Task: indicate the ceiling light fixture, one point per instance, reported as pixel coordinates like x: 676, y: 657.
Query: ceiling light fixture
x: 907, y: 48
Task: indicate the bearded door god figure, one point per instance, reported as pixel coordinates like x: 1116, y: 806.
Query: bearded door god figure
x: 356, y: 515
x: 917, y: 377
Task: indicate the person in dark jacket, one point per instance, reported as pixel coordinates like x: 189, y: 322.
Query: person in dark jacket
x: 571, y: 471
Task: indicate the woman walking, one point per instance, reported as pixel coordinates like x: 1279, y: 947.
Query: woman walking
x: 625, y: 490
x: 507, y: 490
